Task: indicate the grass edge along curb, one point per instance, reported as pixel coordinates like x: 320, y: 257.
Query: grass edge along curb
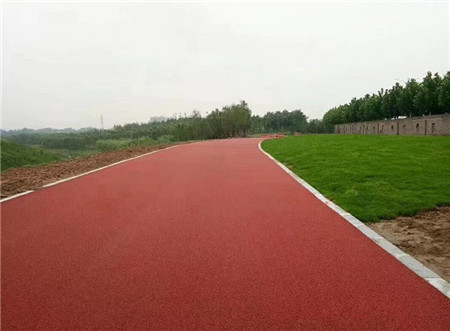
x: 373, y: 177
x: 407, y: 260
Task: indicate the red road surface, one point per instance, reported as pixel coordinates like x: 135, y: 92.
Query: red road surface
x: 206, y: 236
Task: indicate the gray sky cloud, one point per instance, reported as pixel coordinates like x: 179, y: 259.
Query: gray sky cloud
x: 65, y: 64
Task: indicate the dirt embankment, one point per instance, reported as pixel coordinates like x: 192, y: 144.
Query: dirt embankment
x: 425, y: 236
x: 19, y: 180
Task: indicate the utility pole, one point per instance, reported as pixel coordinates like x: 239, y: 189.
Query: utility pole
x: 101, y: 121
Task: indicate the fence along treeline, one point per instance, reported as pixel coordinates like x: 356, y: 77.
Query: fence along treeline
x: 429, y: 97
x: 231, y: 121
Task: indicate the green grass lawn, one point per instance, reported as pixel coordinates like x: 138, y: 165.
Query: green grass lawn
x: 371, y: 177
x: 15, y: 155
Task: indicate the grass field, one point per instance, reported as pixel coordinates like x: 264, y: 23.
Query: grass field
x: 372, y: 177
x: 15, y: 155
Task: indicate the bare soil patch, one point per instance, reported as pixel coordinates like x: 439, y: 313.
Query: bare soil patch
x: 17, y: 180
x: 425, y: 236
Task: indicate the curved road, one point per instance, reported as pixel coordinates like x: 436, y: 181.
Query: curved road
x: 206, y: 236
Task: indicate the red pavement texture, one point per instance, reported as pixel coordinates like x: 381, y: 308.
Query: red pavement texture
x: 206, y: 236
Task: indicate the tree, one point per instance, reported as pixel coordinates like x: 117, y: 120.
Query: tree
x: 215, y: 122
x: 444, y: 94
x: 431, y: 86
x: 431, y: 96
x: 405, y: 101
x: 371, y: 107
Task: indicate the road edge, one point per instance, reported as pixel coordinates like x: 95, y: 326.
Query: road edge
x: 18, y: 195
x: 407, y: 260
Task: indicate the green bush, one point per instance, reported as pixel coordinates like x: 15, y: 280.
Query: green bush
x: 14, y: 155
x: 166, y: 139
x: 105, y: 145
x: 144, y: 141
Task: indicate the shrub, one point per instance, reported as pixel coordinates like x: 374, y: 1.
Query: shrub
x: 14, y: 155
x: 166, y: 139
x: 105, y: 145
x: 144, y: 141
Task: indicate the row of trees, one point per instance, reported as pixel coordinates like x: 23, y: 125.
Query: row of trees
x: 231, y: 121
x: 234, y: 120
x: 429, y: 97
x: 285, y: 121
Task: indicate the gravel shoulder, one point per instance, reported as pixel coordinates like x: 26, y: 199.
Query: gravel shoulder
x: 425, y: 236
x: 18, y: 180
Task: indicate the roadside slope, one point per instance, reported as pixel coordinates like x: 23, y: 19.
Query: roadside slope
x: 18, y: 180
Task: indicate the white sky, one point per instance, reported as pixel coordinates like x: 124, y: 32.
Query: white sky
x: 65, y: 64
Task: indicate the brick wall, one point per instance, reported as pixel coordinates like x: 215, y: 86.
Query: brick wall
x: 434, y: 125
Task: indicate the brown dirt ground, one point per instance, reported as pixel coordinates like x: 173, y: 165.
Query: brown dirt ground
x: 19, y: 180
x: 425, y: 236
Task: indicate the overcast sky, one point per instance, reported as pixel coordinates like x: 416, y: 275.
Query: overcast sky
x: 65, y: 64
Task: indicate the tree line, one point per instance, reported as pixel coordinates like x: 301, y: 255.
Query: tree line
x: 286, y: 122
x: 429, y: 97
x: 234, y: 120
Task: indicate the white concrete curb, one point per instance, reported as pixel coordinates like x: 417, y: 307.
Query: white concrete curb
x: 86, y: 173
x: 411, y: 263
x: 15, y: 196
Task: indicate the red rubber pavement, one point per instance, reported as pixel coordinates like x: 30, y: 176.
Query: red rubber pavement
x: 206, y: 236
